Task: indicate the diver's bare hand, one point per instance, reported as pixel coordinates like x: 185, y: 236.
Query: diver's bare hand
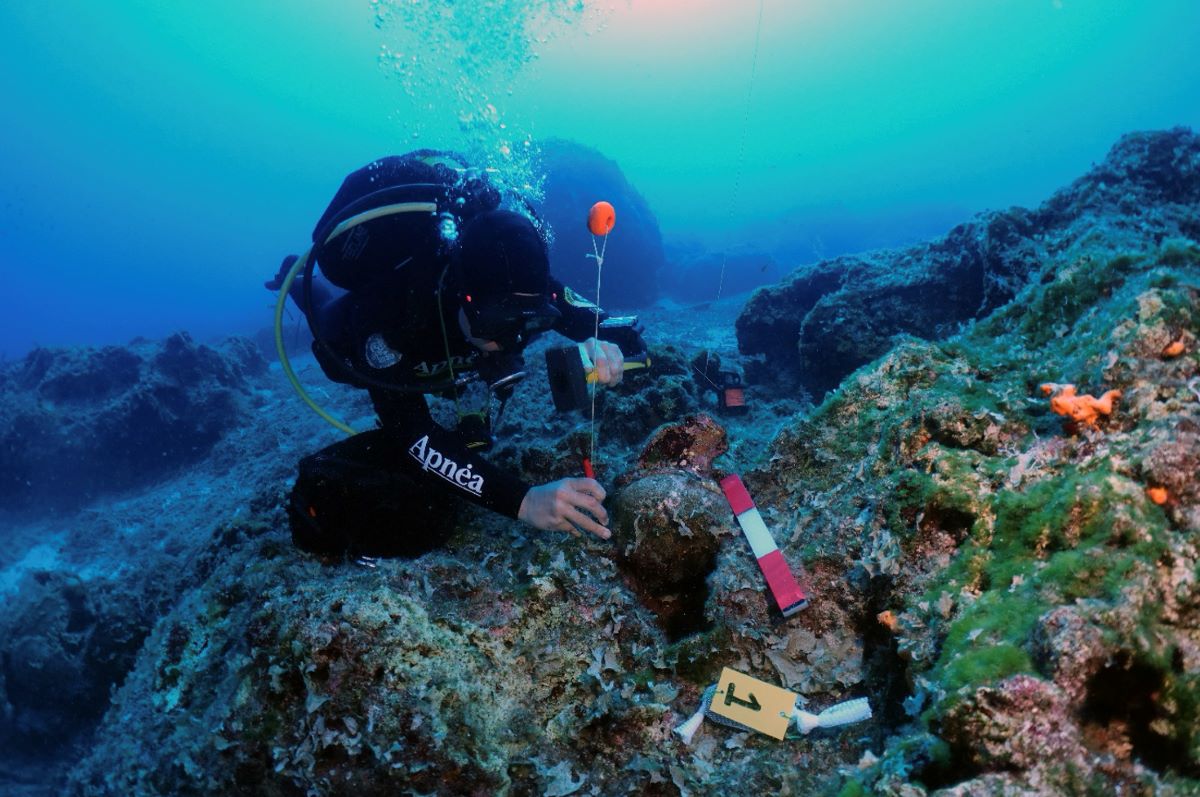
x: 607, y: 359
x: 567, y: 505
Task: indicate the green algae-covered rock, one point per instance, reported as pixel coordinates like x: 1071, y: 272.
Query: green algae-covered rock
x: 826, y: 319
x: 308, y: 686
x: 1009, y: 549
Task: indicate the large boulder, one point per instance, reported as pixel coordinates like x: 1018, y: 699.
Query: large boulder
x: 65, y: 642
x: 827, y: 319
x: 75, y: 422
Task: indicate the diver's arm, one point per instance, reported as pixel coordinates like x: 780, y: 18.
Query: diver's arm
x: 578, y: 320
x: 439, y: 458
x: 335, y: 318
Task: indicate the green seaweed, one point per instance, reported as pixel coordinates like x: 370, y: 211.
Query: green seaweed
x: 1075, y: 536
x: 1076, y: 290
x: 908, y: 497
x: 986, y: 663
x: 1179, y: 252
x: 853, y: 787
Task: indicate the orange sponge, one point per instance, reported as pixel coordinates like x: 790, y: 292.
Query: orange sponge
x: 1083, y: 409
x: 1158, y: 495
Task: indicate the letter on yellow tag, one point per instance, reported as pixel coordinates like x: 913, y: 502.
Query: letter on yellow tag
x: 754, y: 703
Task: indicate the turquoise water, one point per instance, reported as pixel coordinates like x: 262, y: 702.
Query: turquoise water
x: 157, y: 159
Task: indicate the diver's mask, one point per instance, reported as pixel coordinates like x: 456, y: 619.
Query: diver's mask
x: 511, y: 320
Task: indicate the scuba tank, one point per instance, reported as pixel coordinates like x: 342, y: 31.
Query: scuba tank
x: 419, y: 200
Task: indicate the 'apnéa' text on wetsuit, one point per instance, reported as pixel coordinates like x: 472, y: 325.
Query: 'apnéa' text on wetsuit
x: 396, y: 336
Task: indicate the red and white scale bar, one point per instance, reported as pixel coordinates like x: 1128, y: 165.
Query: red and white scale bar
x: 788, y: 594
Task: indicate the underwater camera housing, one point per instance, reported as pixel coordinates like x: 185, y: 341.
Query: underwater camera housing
x: 569, y: 371
x: 731, y: 393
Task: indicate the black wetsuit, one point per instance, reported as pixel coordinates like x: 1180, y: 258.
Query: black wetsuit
x: 393, y: 490
x: 390, y: 490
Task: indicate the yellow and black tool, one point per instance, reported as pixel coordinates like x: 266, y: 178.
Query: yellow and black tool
x: 570, y: 369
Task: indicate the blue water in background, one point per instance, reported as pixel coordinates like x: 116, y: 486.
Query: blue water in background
x: 157, y: 159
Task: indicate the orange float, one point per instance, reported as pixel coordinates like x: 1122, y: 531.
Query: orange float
x: 601, y: 218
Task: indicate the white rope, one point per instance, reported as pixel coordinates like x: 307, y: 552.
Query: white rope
x: 740, y: 166
x: 599, y: 255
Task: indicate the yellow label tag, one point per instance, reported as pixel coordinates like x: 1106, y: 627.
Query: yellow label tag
x: 754, y: 703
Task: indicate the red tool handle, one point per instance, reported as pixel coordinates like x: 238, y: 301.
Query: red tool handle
x: 587, y: 468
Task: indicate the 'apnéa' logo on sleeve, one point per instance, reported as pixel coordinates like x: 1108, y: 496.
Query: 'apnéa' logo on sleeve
x: 434, y: 461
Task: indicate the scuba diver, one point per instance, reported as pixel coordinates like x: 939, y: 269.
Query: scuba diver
x: 427, y: 283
